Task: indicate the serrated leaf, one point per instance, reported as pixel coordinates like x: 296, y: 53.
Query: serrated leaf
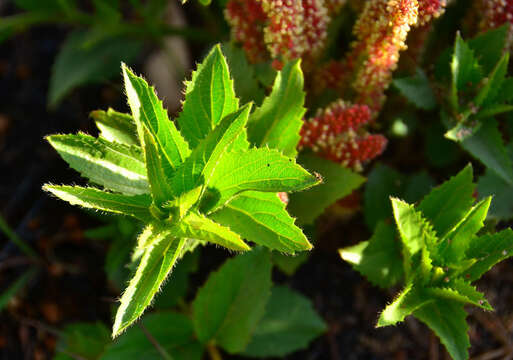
x: 454, y: 244
x: 278, y: 121
x: 91, y: 198
x: 460, y: 291
x: 447, y: 319
x: 159, y: 258
x: 446, y: 204
x: 417, y: 90
x: 229, y: 306
x: 465, y: 69
x: 416, y: 232
x: 115, y: 166
x: 209, y: 97
x: 488, y: 250
x: 487, y: 146
x: 173, y: 332
x: 246, y: 84
x: 115, y: 126
x: 378, y: 259
x: 490, y: 89
x: 148, y: 111
x: 199, y: 227
x: 199, y: 167
x: 382, y: 182
x: 337, y: 183
x: 262, y: 219
x: 259, y: 170
x: 289, y: 324
x: 79, y: 63
x: 409, y: 300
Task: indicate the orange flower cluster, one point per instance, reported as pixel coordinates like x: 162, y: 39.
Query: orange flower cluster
x: 290, y: 29
x: 337, y: 133
x: 247, y: 19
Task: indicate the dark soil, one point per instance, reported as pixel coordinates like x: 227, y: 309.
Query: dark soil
x: 70, y: 284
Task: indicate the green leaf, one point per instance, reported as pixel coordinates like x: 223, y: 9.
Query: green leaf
x: 91, y: 198
x: 199, y: 227
x: 487, y: 146
x: 383, y: 182
x: 409, y: 300
x: 448, y: 203
x: 289, y: 264
x: 15, y: 288
x: 378, y: 259
x: 460, y: 291
x: 161, y: 190
x: 259, y: 170
x: 246, y: 84
x: 159, y: 258
x: 416, y: 232
x: 338, y: 182
x: 199, y: 167
x: 79, y: 63
x: 115, y: 126
x: 502, y: 204
x: 278, y: 121
x: 489, y: 92
x: 289, y: 324
x: 454, y: 244
x: 209, y: 97
x: 229, y: 306
x: 115, y: 166
x: 173, y: 334
x: 506, y: 91
x: 493, y: 110
x: 465, y: 69
x: 148, y: 111
x: 83, y: 340
x: 447, y: 319
x: 488, y: 250
x: 489, y: 47
x: 417, y: 90
x: 262, y: 219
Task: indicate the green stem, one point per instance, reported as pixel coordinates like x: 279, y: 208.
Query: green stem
x: 4, y: 227
x: 165, y: 355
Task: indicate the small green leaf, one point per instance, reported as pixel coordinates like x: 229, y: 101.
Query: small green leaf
x: 160, y: 333
x: 493, y: 110
x: 447, y: 319
x: 115, y: 126
x: 148, y: 111
x: 199, y: 167
x: 91, y: 198
x: 289, y: 324
x: 257, y: 169
x: 209, y: 97
x: 409, y: 300
x: 115, y: 166
x: 490, y: 90
x: 488, y: 250
x: 246, y: 84
x: 262, y: 218
x: 79, y: 63
x: 338, y: 182
x: 378, y: 259
x: 199, y: 227
x: 465, y: 69
x: 460, y: 291
x: 278, y: 121
x: 83, y: 340
x: 489, y: 47
x: 416, y: 232
x: 417, y: 90
x: 487, y: 146
x: 14, y: 288
x: 229, y: 306
x: 159, y: 258
x: 446, y: 204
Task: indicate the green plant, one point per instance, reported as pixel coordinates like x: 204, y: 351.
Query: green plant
x: 204, y: 183
x: 438, y: 250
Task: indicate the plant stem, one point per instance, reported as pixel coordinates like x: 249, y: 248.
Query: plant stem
x: 4, y: 227
x: 155, y: 343
x: 213, y: 352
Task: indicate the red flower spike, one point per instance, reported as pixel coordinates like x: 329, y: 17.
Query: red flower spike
x: 247, y: 19
x: 429, y: 9
x: 498, y: 13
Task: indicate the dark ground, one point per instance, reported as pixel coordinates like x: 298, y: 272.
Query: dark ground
x: 71, y: 286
